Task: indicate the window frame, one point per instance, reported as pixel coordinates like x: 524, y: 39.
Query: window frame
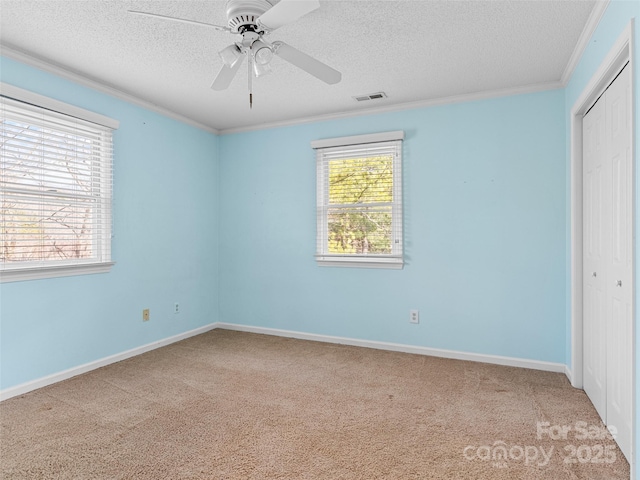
x: 41, y: 269
x: 394, y: 260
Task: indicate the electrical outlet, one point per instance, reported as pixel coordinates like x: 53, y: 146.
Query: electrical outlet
x: 145, y: 315
x: 414, y: 316
x: 176, y: 307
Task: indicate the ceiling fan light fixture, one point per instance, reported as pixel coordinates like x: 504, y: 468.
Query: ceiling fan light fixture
x: 252, y: 19
x: 230, y: 55
x: 261, y: 70
x: 262, y: 53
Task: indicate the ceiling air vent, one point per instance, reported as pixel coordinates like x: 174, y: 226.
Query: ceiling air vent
x: 371, y: 96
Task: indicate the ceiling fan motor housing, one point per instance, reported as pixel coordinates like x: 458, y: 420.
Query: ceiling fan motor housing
x: 243, y: 14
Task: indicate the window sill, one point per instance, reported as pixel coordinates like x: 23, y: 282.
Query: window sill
x: 38, y: 273
x: 360, y: 262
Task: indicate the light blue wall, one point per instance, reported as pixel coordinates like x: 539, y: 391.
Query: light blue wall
x: 614, y: 21
x: 165, y: 246
x: 484, y: 200
x: 486, y: 232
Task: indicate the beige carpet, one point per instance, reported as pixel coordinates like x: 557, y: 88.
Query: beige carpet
x: 229, y: 405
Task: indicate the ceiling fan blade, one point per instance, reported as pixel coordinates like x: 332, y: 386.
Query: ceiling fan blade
x: 285, y: 12
x: 183, y: 20
x: 226, y: 75
x: 308, y: 64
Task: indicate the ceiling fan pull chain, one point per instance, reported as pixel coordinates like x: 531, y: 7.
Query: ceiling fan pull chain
x: 250, y: 75
x: 252, y: 19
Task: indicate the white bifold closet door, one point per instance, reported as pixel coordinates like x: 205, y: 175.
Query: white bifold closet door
x: 607, y: 257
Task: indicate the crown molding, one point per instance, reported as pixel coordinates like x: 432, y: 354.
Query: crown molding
x: 84, y: 80
x: 590, y: 27
x: 11, y: 92
x: 470, y: 97
x: 48, y: 66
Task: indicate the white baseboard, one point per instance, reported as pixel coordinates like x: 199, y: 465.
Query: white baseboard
x: 398, y: 347
x: 87, y: 367
x: 568, y: 373
x: 395, y: 347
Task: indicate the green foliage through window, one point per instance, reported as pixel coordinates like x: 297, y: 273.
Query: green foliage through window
x: 359, y: 213
x: 359, y: 200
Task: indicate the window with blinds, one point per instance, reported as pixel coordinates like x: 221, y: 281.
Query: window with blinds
x: 359, y: 201
x: 56, y: 192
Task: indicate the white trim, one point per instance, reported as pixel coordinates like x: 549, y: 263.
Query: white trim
x: 32, y: 109
x: 337, y: 149
x: 567, y: 372
x: 470, y: 97
x: 373, y: 262
x: 398, y: 347
x: 81, y: 79
x: 38, y: 273
x: 358, y: 139
x: 29, y: 59
x: 394, y: 347
x: 615, y: 59
x: 620, y: 53
x: 590, y: 27
x: 27, y: 96
x: 87, y: 367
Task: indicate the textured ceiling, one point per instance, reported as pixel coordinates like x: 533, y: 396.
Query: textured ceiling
x: 412, y: 50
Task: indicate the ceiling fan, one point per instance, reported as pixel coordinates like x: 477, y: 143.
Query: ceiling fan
x: 252, y: 20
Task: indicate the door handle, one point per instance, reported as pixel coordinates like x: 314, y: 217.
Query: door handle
x: 619, y: 283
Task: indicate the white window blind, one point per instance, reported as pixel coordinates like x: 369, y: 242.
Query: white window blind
x: 56, y: 193
x: 359, y: 202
